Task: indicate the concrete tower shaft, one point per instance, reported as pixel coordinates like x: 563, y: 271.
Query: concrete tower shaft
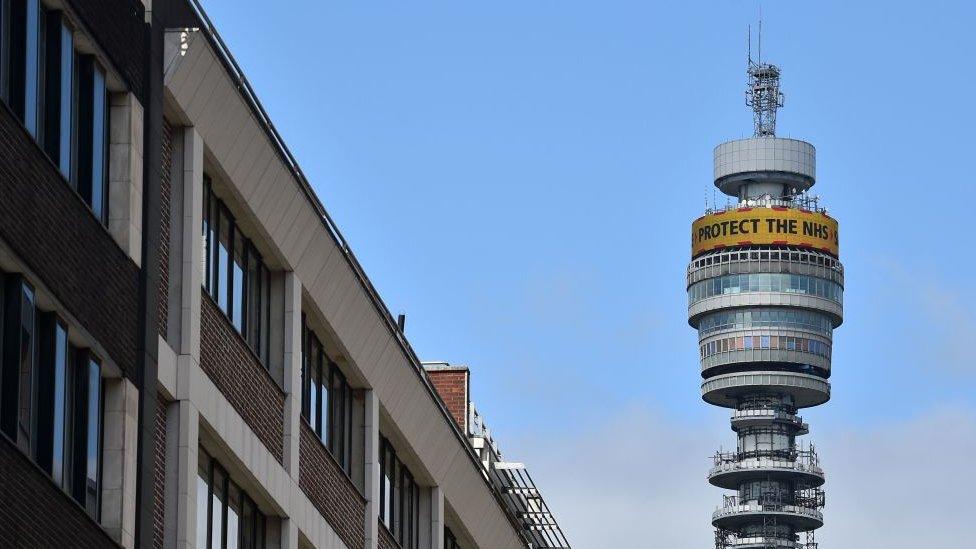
x: 765, y: 292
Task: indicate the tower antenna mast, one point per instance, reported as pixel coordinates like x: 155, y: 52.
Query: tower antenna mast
x: 762, y: 91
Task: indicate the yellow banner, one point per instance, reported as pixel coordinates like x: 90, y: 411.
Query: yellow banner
x: 780, y: 226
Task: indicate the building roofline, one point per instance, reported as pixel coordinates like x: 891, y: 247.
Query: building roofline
x: 250, y: 97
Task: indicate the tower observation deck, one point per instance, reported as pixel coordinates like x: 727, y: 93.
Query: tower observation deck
x: 765, y: 292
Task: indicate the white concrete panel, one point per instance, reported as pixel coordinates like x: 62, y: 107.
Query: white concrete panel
x: 285, y: 222
x: 252, y: 177
x: 200, y: 67
x: 197, y: 103
x: 236, y: 155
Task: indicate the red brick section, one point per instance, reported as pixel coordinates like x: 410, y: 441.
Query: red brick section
x: 385, y: 540
x: 239, y: 375
x: 36, y: 513
x: 330, y: 490
x: 52, y: 230
x: 165, y: 203
x: 159, y: 472
x: 452, y: 386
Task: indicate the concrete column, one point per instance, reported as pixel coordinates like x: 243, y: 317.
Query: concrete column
x: 192, y: 245
x: 371, y: 428
x: 184, y: 529
x: 436, y: 518
x: 119, y: 452
x: 292, y: 371
x: 125, y: 162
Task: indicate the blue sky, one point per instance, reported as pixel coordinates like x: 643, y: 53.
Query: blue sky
x: 519, y: 179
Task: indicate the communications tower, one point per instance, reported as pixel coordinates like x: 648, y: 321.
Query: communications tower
x: 765, y: 289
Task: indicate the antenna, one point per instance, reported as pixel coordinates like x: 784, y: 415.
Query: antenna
x: 760, y: 34
x: 762, y: 92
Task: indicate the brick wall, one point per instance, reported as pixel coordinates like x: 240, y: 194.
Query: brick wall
x: 159, y: 471
x: 52, y: 230
x: 452, y: 386
x: 385, y: 540
x: 36, y: 513
x: 165, y: 194
x: 330, y: 490
x: 229, y: 362
x: 119, y: 28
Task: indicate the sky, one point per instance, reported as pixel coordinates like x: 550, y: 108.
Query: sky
x: 519, y: 179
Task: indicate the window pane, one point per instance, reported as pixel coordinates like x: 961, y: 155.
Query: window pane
x: 233, y: 514
x: 205, y: 237
x: 217, y: 508
x: 59, y: 434
x: 315, y: 384
x: 247, y: 524
x: 266, y: 312
x: 25, y: 380
x: 325, y: 396
x: 24, y: 61
x: 94, y: 433
x: 306, y: 373
x: 337, y: 415
x: 237, y: 304
x: 58, y: 100
x: 254, y: 300
x: 99, y: 144
x: 203, y: 498
x: 223, y: 256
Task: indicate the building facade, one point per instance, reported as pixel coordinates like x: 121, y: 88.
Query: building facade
x: 765, y: 292
x: 191, y: 354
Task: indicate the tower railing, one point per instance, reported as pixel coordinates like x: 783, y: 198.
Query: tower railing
x: 801, y: 457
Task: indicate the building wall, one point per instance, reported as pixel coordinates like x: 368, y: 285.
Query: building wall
x: 35, y: 513
x: 52, y: 230
x: 119, y: 27
x: 386, y: 540
x: 239, y: 375
x: 330, y: 491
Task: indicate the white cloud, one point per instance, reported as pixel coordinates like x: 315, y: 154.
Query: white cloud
x: 640, y: 481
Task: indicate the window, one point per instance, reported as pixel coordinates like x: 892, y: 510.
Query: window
x: 765, y: 282
x: 326, y: 398
x: 23, y: 60
x: 58, y: 94
x: 92, y: 378
x: 235, y: 275
x: 18, y: 362
x: 58, y: 91
x: 748, y: 343
x: 92, y: 141
x: 51, y: 395
x: 450, y: 542
x: 53, y: 398
x: 399, y: 498
x: 226, y: 516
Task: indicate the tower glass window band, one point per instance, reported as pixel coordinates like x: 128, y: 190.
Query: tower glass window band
x: 235, y: 275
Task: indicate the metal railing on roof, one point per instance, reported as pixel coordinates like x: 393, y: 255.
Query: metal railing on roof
x: 802, y: 201
x: 525, y: 502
